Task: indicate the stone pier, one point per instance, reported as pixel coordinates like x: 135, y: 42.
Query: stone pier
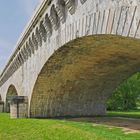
x: 1, y: 106
x: 18, y: 107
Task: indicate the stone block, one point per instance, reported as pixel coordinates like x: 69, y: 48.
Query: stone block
x: 1, y: 106
x: 18, y: 107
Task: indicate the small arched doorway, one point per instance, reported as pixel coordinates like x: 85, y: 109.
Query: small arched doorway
x: 11, y: 92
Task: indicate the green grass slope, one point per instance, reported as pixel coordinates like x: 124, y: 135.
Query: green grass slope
x: 47, y: 129
x: 128, y: 114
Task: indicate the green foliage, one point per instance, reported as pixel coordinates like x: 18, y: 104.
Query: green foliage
x: 127, y: 95
x: 127, y: 114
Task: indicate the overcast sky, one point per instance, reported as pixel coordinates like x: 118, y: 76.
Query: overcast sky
x: 14, y: 15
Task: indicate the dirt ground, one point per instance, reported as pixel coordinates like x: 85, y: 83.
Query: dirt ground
x: 128, y: 125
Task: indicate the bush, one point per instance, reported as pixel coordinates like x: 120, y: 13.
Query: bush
x: 127, y: 95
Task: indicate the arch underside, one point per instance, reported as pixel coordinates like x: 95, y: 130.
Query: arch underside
x: 80, y: 76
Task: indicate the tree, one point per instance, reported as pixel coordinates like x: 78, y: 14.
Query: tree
x: 127, y: 95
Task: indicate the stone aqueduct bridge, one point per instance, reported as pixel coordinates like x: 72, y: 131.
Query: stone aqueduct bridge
x: 62, y: 65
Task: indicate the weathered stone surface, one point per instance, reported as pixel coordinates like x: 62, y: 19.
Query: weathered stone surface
x: 18, y: 107
x: 11, y: 92
x: 78, y: 79
x: 54, y: 24
x: 1, y: 106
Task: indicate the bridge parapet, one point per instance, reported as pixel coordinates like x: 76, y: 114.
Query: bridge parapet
x: 57, y: 22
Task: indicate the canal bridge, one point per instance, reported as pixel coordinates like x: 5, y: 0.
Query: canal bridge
x: 70, y: 57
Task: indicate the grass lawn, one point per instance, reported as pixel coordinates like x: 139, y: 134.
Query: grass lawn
x: 47, y: 129
x: 129, y: 114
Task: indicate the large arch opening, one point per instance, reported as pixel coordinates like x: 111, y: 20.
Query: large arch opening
x: 11, y: 92
x: 79, y: 78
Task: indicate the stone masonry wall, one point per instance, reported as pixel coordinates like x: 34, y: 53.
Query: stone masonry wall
x: 120, y: 17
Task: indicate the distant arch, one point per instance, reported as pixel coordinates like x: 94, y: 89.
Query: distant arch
x: 71, y: 5
x: 43, y: 31
x: 31, y: 46
x: 35, y: 42
x: 10, y: 92
x: 83, y: 1
x: 38, y: 36
x: 54, y: 17
x: 61, y: 10
x: 28, y: 49
x: 48, y: 25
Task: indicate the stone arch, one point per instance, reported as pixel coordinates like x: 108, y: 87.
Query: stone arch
x: 23, y: 53
x: 38, y: 36
x: 17, y: 61
x: 35, y: 42
x: 28, y: 49
x: 14, y: 62
x: 43, y: 32
x: 61, y: 10
x: 54, y: 17
x: 11, y: 68
x: 21, y: 56
x: 10, y: 92
x: 48, y: 25
x: 31, y: 46
x: 83, y: 1
x: 71, y: 5
x: 79, y: 77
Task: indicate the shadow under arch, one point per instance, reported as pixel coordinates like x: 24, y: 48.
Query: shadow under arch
x: 79, y: 77
x: 10, y: 92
